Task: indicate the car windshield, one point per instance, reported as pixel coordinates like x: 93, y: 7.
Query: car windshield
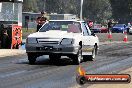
x: 69, y: 26
x: 119, y: 25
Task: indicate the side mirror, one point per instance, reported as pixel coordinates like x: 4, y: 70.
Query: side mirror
x: 93, y: 34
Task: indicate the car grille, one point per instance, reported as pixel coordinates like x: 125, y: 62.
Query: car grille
x: 48, y: 41
x: 115, y: 29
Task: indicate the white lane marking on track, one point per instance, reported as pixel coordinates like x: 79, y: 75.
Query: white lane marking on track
x: 12, y: 74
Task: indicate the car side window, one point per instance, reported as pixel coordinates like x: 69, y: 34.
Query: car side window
x: 89, y: 31
x: 85, y: 29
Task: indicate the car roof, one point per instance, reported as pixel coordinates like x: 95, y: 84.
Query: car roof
x: 62, y: 20
x: 68, y: 20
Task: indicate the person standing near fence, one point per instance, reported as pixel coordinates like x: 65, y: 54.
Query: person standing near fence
x: 5, y: 40
x: 40, y: 21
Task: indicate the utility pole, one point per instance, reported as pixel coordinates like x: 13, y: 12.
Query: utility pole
x: 81, y: 10
x: 44, y: 5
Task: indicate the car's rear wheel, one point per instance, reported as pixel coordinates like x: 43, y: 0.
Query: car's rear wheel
x: 31, y: 58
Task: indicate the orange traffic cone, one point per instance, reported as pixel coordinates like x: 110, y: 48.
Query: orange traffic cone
x: 125, y: 38
x: 110, y: 36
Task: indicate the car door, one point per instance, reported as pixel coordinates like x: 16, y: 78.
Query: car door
x: 88, y: 40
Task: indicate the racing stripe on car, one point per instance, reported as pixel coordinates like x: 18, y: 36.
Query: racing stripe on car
x: 87, y: 48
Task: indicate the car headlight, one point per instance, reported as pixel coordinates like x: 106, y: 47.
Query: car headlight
x: 31, y: 40
x: 66, y: 41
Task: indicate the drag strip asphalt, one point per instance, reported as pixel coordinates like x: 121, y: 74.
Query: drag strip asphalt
x: 15, y: 72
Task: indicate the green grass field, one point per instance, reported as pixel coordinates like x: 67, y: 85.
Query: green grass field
x: 27, y: 32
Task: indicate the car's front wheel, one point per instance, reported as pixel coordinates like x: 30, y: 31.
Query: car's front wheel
x: 31, y: 58
x: 78, y: 57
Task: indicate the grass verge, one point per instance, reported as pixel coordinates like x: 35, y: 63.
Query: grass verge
x: 27, y: 32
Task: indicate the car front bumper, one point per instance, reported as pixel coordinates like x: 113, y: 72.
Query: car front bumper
x: 47, y: 49
x: 118, y: 30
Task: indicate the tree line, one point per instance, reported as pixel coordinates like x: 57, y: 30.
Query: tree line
x: 96, y: 10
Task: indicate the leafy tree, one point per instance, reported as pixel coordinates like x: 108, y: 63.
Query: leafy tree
x: 122, y: 10
x: 97, y: 9
x: 30, y: 6
x: 93, y: 9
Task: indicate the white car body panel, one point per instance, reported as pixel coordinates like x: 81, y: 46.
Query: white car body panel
x: 54, y: 34
x: 130, y: 30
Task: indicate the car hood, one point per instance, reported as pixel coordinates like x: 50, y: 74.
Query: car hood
x: 54, y: 34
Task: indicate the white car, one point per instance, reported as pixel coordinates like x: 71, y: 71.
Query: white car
x: 130, y: 30
x: 58, y: 38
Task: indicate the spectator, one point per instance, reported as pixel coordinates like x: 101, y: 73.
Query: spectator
x: 5, y: 40
x: 1, y: 30
x: 109, y: 25
x: 26, y: 23
x: 40, y: 21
